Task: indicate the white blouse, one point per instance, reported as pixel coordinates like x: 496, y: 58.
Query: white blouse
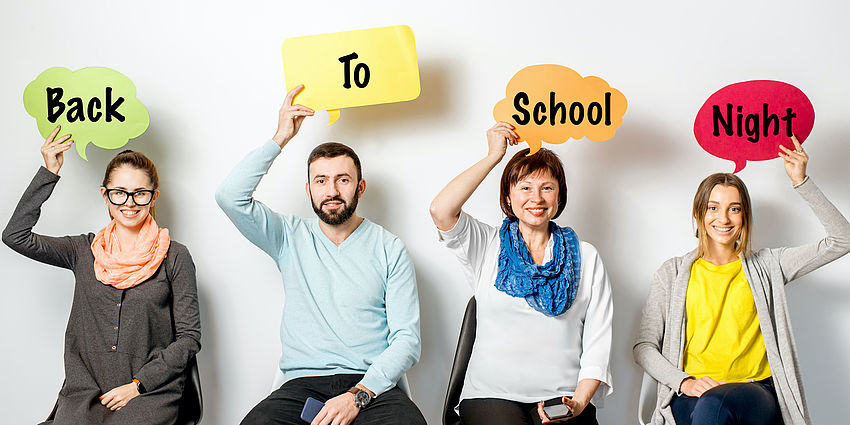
x: 520, y: 354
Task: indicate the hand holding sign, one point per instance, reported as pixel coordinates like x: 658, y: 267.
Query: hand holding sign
x: 290, y: 118
x: 352, y: 68
x: 553, y: 103
x: 795, y: 161
x: 748, y: 121
x: 53, y: 150
x: 96, y: 105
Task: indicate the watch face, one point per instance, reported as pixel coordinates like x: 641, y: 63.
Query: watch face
x: 362, y: 398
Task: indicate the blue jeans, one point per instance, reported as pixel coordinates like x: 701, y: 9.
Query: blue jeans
x: 747, y: 403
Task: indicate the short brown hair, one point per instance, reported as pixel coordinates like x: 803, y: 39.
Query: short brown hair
x: 701, y: 198
x: 136, y: 160
x: 333, y: 150
x: 522, y: 165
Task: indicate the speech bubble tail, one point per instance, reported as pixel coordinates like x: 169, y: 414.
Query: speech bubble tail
x: 81, y: 150
x: 533, y: 147
x: 739, y: 165
x: 333, y: 114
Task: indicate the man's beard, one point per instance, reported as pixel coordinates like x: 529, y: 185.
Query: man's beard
x: 338, y: 217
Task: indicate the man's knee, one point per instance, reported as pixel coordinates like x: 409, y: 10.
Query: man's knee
x: 256, y: 417
x: 275, y: 412
x: 392, y: 407
x: 412, y: 416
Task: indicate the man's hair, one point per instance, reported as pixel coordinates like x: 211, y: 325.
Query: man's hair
x: 333, y: 150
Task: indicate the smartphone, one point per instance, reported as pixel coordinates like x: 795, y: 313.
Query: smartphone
x: 311, y: 409
x: 557, y: 411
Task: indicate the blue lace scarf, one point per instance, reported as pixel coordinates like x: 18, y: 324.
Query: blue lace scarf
x: 550, y: 288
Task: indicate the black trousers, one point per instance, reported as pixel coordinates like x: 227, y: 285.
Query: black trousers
x: 496, y: 411
x: 283, y: 406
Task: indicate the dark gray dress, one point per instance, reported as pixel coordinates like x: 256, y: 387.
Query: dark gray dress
x: 148, y: 332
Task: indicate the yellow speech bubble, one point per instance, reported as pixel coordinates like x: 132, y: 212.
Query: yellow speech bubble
x: 96, y: 105
x: 553, y: 103
x: 352, y: 68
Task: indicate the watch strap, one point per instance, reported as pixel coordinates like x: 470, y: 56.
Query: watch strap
x: 139, y: 386
x: 355, y: 391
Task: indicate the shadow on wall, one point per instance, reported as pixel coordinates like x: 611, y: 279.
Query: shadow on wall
x: 434, y: 367
x: 432, y: 105
x: 830, y: 164
x: 611, y: 166
x: 821, y: 332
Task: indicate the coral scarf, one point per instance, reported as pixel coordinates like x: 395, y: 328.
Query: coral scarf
x: 125, y: 269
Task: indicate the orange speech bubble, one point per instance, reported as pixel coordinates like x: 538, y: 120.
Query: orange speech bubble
x: 553, y: 103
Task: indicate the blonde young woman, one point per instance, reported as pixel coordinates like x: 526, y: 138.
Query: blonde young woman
x: 716, y: 332
x: 134, y: 320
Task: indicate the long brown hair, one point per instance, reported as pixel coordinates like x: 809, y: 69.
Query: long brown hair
x: 701, y: 198
x: 138, y: 161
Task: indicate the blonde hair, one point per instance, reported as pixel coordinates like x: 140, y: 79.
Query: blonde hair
x: 743, y: 244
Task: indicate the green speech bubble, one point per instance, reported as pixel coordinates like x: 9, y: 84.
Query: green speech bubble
x: 96, y: 105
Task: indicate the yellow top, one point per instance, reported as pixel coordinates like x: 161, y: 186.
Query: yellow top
x: 723, y: 338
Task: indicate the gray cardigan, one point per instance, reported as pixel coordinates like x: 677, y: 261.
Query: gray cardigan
x: 661, y: 336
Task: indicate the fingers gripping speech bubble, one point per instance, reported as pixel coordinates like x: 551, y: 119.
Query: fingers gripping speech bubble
x: 95, y: 105
x: 748, y: 121
x: 553, y: 103
x: 352, y: 68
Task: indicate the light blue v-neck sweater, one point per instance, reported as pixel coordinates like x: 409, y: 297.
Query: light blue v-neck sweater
x: 351, y: 308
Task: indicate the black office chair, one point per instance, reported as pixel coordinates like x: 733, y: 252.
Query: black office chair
x: 460, y: 364
x: 191, y: 404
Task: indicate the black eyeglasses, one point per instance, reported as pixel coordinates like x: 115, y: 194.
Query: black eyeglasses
x: 119, y: 197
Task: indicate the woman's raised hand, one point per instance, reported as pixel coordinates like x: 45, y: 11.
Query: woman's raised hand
x: 795, y: 161
x: 499, y: 136
x: 53, y: 150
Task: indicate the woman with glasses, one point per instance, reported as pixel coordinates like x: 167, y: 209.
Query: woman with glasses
x: 134, y: 321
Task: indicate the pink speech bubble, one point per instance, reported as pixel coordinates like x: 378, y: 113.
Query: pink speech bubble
x: 748, y: 121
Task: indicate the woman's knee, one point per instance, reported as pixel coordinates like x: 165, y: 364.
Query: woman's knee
x: 750, y: 403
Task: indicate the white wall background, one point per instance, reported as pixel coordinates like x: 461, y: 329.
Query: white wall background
x: 211, y: 76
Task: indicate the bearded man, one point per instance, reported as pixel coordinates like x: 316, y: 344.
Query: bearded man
x: 350, y: 326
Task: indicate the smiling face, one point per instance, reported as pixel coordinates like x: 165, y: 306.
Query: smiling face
x: 722, y: 213
x: 333, y: 188
x: 534, y: 199
x: 129, y: 179
x: 724, y: 217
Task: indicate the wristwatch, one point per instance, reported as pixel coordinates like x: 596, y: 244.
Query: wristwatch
x: 139, y: 386
x: 361, y: 398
